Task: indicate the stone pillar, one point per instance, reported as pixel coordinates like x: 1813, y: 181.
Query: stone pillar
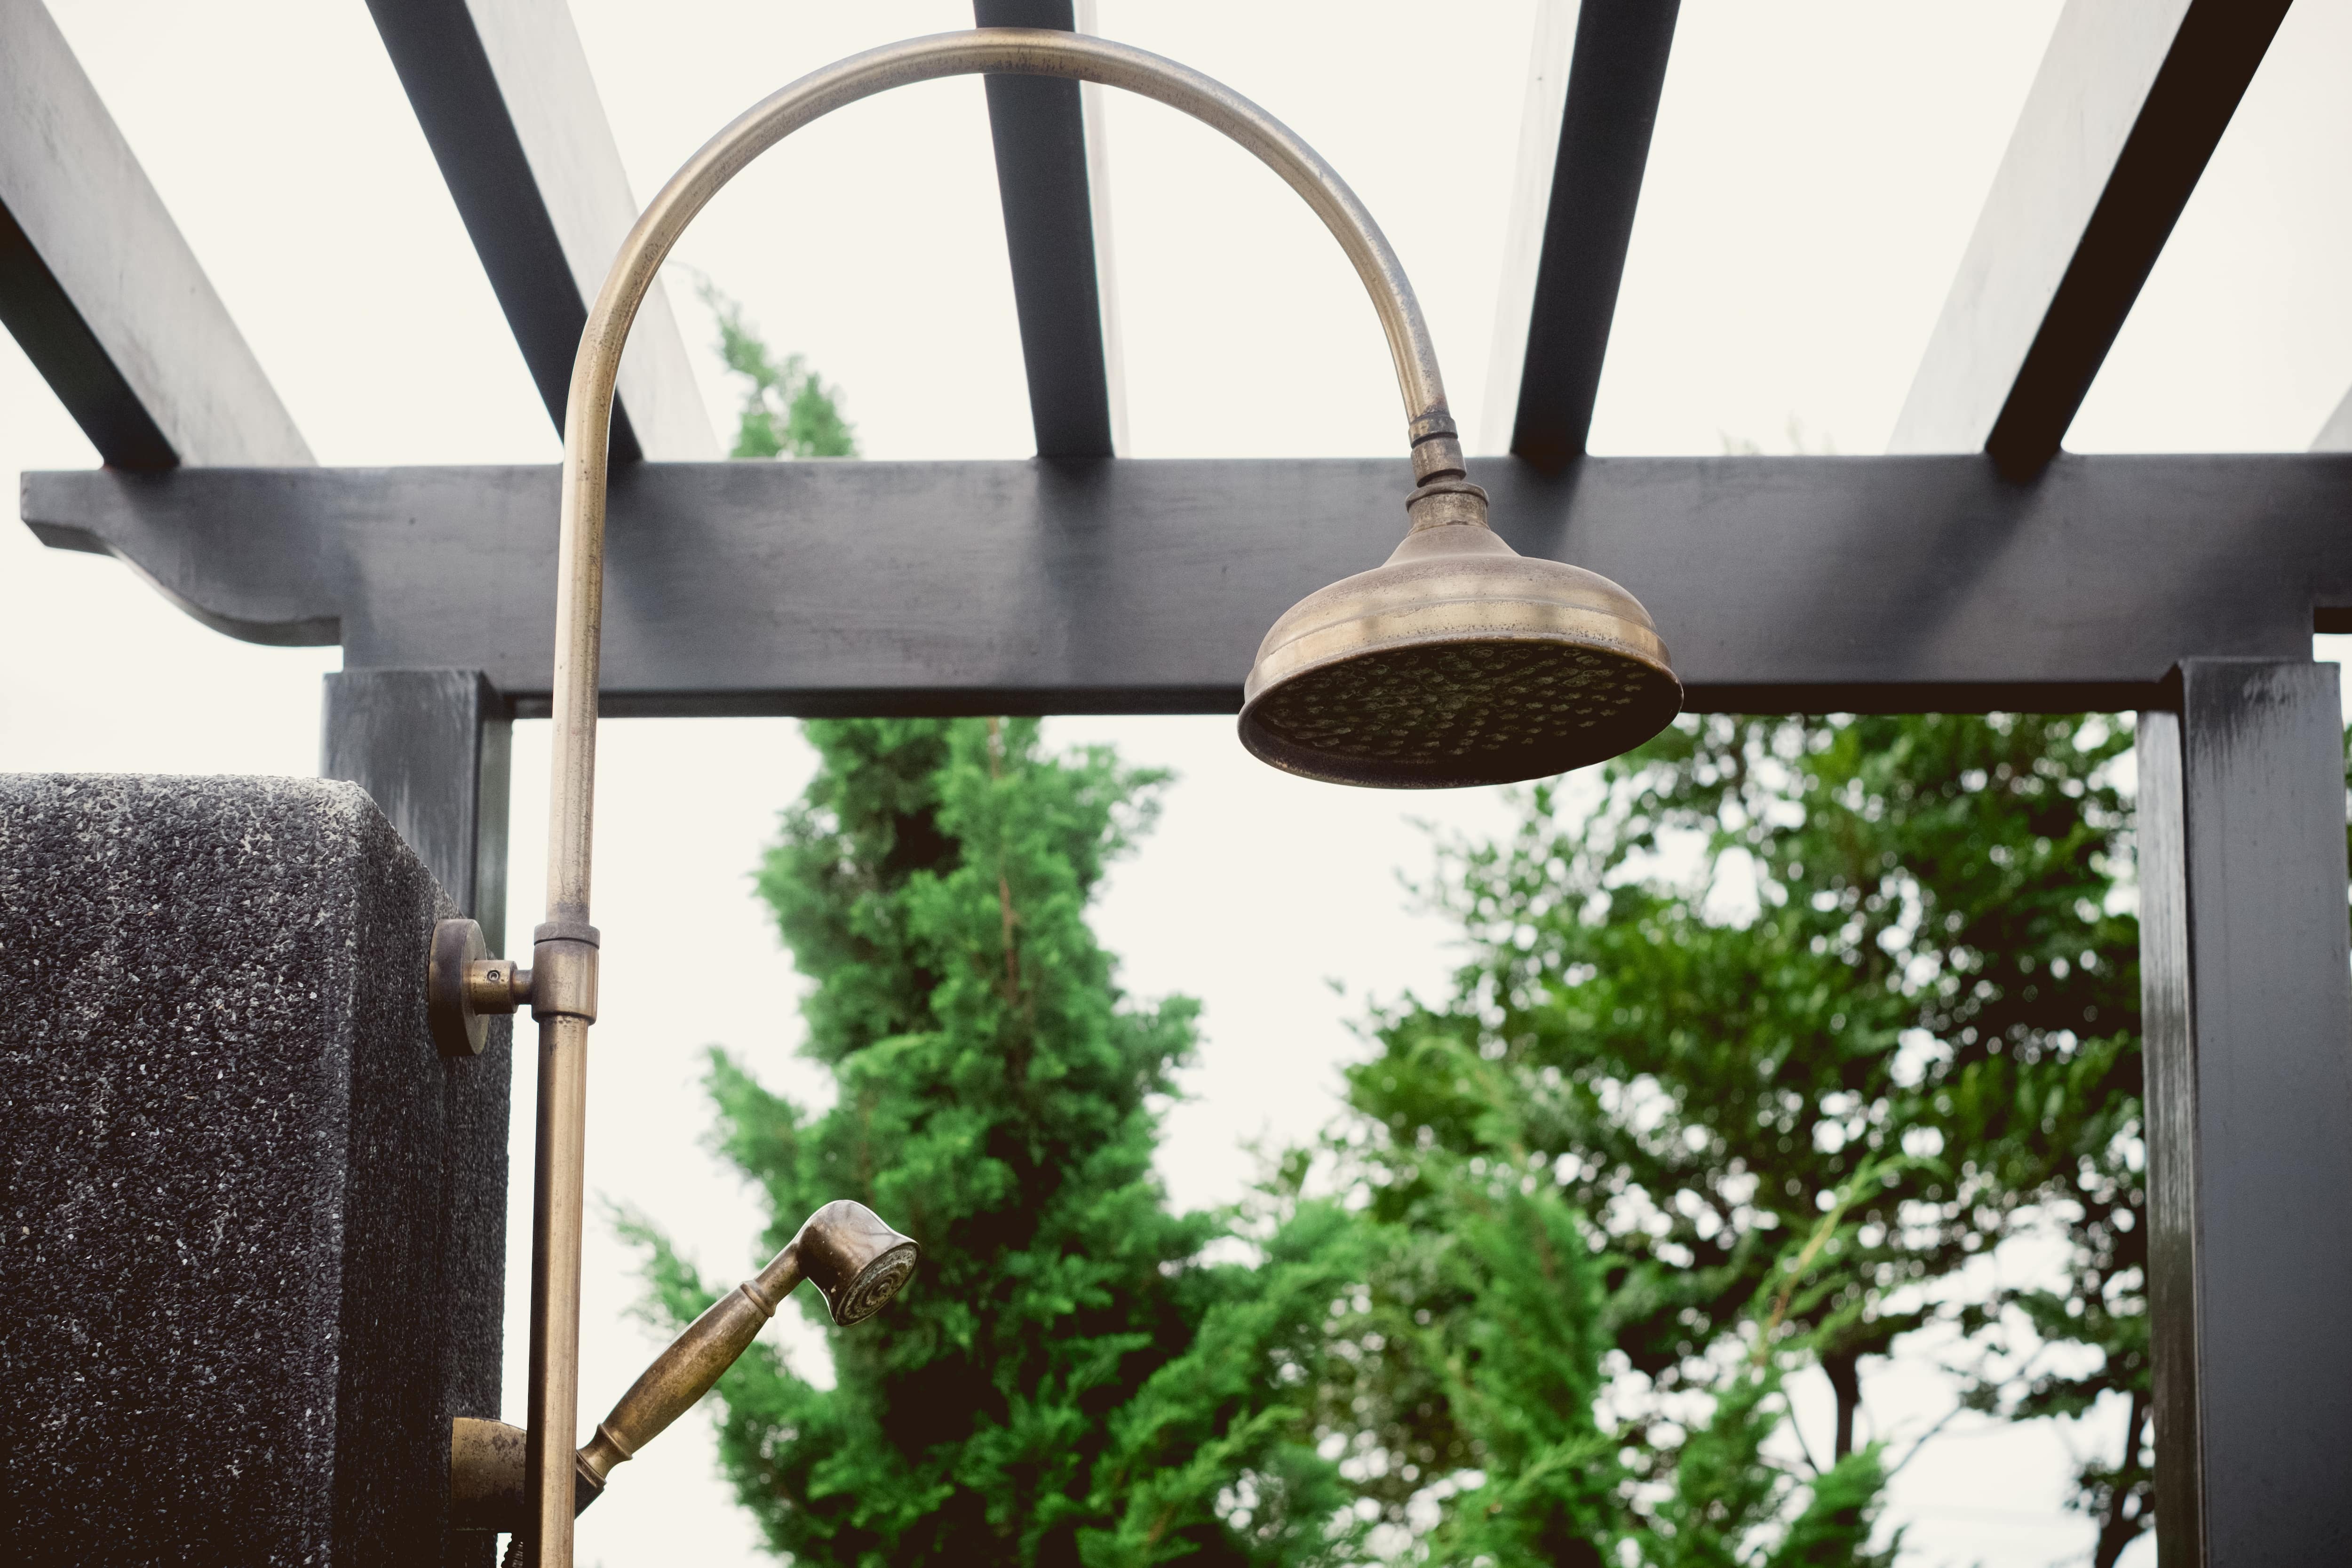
x: 254, y: 1244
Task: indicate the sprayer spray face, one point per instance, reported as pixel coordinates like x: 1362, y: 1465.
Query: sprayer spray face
x: 871, y: 1290
x: 856, y: 1262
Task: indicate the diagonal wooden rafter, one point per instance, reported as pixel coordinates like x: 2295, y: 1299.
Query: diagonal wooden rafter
x: 99, y: 288
x: 2130, y: 101
x: 503, y: 91
x: 1595, y: 74
x: 1044, y: 179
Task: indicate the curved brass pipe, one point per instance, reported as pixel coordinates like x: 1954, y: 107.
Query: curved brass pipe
x: 563, y: 969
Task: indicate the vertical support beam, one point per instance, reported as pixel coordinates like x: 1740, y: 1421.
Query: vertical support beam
x: 1039, y: 128
x: 1595, y: 74
x: 2247, y: 1018
x: 435, y: 748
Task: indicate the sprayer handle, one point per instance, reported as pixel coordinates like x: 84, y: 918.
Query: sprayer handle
x: 694, y: 1362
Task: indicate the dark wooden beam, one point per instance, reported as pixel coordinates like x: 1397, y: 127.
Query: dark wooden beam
x: 2126, y: 112
x: 1781, y: 583
x: 99, y: 288
x: 503, y: 91
x: 2248, y: 1015
x: 1614, y: 74
x: 1039, y: 131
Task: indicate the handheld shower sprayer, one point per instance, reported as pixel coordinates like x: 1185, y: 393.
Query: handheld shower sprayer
x: 856, y: 1262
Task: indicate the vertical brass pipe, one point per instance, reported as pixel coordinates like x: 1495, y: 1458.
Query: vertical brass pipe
x: 1436, y: 450
x: 558, y: 1203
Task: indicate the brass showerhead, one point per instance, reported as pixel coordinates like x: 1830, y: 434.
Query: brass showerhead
x: 1459, y: 661
x: 854, y: 1259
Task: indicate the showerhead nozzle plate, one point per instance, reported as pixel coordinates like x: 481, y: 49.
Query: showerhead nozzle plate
x: 1451, y: 712
x: 1458, y: 662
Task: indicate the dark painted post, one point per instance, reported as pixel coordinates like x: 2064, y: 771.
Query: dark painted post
x: 2247, y: 1018
x: 434, y: 748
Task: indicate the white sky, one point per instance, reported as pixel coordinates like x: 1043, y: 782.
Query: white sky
x: 1816, y: 172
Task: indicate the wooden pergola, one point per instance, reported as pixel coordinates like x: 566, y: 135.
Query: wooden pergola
x: 1976, y: 568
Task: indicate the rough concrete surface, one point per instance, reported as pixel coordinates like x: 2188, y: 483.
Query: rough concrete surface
x: 251, y: 1230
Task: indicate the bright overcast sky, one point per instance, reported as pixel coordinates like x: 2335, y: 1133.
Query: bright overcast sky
x: 1816, y: 172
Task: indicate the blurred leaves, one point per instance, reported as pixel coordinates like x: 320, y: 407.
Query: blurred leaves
x: 1809, y: 1018
x: 788, y: 411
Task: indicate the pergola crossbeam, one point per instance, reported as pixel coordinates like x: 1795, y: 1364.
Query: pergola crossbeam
x: 99, y: 286
x: 503, y: 91
x: 2131, y: 100
x: 1790, y: 584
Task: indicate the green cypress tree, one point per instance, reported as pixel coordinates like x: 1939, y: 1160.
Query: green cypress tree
x: 1064, y: 1381
x: 788, y: 410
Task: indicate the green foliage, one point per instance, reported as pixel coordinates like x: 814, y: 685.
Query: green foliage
x: 788, y: 411
x: 1065, y: 1380
x: 1794, y: 1123
x: 1522, y: 1366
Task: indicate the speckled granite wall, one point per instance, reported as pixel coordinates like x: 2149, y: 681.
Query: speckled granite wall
x: 254, y: 1225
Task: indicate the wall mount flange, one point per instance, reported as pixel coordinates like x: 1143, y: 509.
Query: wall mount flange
x: 465, y: 987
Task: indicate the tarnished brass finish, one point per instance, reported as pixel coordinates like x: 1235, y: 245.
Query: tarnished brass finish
x: 856, y: 1262
x: 845, y: 1250
x: 563, y: 971
x: 486, y: 1478
x: 1307, y: 714
x: 464, y: 988
x: 457, y: 1026
x: 1458, y: 662
x: 484, y: 1474
x: 558, y: 1178
x: 485, y: 1490
x: 497, y: 985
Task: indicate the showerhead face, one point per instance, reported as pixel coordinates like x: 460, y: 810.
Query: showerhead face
x: 854, y: 1259
x: 1458, y: 662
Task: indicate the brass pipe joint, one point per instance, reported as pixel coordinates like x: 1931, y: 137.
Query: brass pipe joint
x: 465, y: 987
x: 563, y: 971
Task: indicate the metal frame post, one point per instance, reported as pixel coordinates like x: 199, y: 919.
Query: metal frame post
x: 435, y: 747
x: 2248, y: 1027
